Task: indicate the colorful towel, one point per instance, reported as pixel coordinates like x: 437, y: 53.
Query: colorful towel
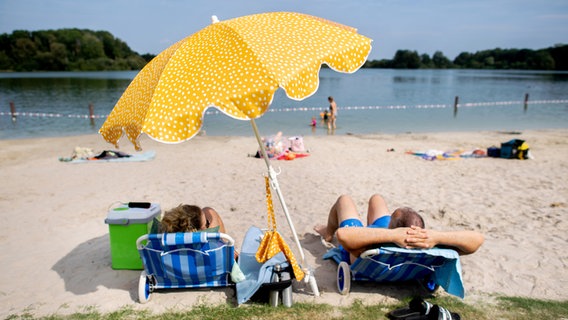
x: 112, y: 156
x: 448, y: 155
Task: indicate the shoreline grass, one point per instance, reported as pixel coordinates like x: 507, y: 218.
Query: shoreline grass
x: 501, y: 308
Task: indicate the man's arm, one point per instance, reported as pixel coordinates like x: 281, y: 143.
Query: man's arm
x: 356, y: 240
x: 465, y: 241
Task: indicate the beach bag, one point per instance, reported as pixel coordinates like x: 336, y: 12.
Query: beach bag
x: 515, y: 149
x: 297, y: 144
x: 272, y: 242
x: 494, y: 152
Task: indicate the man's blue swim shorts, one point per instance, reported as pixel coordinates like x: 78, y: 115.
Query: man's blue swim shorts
x: 381, y: 222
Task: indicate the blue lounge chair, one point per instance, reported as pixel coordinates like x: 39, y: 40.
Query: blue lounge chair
x: 184, y: 260
x: 431, y: 267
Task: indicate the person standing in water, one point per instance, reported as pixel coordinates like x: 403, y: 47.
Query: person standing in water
x: 333, y: 113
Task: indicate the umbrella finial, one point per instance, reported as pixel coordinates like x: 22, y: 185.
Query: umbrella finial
x: 214, y: 19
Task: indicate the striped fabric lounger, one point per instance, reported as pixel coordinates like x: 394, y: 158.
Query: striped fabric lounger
x: 431, y: 267
x: 184, y: 260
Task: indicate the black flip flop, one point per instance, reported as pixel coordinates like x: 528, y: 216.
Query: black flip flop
x: 402, y: 314
x: 440, y: 313
x: 417, y: 309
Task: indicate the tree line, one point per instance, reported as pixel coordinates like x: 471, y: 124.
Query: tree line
x: 553, y: 58
x: 67, y: 50
x: 87, y: 50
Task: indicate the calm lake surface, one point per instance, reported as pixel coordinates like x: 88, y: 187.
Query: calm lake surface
x: 370, y: 101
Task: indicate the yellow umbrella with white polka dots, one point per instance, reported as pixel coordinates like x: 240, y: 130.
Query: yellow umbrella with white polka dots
x: 235, y: 66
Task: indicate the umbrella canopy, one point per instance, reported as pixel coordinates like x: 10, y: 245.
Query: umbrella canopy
x: 235, y: 66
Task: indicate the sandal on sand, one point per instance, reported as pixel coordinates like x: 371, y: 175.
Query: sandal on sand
x: 417, y: 309
x: 326, y: 244
x: 440, y: 313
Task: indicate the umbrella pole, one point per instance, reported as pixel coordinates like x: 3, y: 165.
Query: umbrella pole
x: 274, y: 183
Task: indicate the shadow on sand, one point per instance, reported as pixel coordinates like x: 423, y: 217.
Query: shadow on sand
x: 88, y: 267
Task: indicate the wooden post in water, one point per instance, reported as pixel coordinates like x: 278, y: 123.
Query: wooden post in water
x: 456, y: 102
x: 526, y: 106
x: 92, y: 114
x: 13, y: 111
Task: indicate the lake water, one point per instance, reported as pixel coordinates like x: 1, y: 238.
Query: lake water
x: 370, y: 101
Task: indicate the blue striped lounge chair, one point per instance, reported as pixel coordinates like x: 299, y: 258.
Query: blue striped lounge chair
x: 432, y: 268
x: 184, y: 260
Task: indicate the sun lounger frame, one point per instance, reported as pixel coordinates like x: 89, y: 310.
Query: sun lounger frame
x: 184, y: 260
x: 394, y: 264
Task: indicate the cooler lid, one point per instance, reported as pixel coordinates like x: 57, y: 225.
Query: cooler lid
x: 124, y: 215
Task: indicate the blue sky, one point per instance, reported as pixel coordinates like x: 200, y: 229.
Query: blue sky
x: 450, y: 26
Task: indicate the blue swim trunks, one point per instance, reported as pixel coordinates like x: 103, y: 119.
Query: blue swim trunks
x: 382, y: 222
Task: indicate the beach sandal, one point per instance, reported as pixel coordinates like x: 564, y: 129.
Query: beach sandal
x: 417, y: 309
x: 326, y: 244
x: 440, y: 313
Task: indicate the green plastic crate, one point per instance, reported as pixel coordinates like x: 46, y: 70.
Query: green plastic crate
x: 125, y: 226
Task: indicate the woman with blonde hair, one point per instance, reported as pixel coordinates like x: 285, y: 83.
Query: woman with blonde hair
x: 191, y: 218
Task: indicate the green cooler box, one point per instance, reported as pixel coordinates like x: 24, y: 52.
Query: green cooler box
x: 126, y: 224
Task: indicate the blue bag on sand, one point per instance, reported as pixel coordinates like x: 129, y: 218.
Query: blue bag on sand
x: 494, y: 152
x: 514, y: 149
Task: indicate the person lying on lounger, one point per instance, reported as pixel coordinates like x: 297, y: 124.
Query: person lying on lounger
x: 405, y: 228
x: 190, y: 218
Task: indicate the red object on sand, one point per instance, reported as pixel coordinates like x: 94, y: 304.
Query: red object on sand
x: 289, y: 155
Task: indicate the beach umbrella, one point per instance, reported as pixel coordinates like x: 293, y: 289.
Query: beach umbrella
x: 235, y: 66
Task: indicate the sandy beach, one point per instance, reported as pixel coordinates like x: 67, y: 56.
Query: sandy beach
x: 56, y: 250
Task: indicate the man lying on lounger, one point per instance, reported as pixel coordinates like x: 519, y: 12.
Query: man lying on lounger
x: 405, y: 228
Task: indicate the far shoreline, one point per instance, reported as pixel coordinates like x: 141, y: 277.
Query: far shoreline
x: 322, y: 135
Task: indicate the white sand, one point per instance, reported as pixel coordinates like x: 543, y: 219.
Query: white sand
x: 56, y: 250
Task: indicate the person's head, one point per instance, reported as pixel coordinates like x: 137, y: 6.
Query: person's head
x: 405, y: 217
x: 330, y: 98
x: 183, y: 218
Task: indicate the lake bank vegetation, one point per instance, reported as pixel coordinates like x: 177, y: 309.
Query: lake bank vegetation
x: 67, y: 50
x: 87, y: 50
x: 553, y: 58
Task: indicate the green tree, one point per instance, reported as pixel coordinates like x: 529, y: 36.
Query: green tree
x: 91, y: 47
x: 463, y: 60
x: 148, y: 57
x: 542, y: 60
x: 489, y: 62
x: 24, y: 53
x: 406, y: 59
x: 426, y: 61
x: 559, y: 54
x: 5, y: 61
x: 440, y: 61
x: 71, y: 39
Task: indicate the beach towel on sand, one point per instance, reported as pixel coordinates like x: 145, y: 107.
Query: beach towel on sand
x: 85, y: 155
x: 448, y: 155
x: 255, y: 273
